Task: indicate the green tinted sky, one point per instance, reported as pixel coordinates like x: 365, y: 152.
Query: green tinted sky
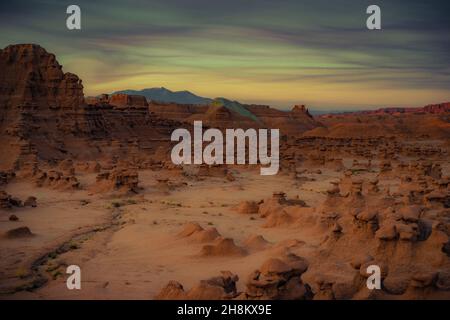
x: 277, y: 52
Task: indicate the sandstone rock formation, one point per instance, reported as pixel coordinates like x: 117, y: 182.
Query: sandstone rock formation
x: 122, y: 180
x: 7, y: 201
x: 44, y: 117
x: 124, y: 100
x: 217, y: 288
x: 195, y: 233
x: 222, y: 247
x: 279, y: 279
x: 290, y: 123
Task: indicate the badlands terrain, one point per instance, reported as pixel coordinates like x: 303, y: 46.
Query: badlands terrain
x: 88, y: 181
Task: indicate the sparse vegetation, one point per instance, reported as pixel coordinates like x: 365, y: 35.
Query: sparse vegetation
x: 22, y: 272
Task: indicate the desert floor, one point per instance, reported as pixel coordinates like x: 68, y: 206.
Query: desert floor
x: 141, y: 252
x: 128, y: 247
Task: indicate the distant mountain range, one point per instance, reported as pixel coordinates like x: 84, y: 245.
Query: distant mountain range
x: 185, y: 97
x: 167, y: 96
x: 164, y: 95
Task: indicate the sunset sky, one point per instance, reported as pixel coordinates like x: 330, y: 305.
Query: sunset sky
x: 277, y: 52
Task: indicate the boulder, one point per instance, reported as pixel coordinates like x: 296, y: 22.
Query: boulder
x: 21, y: 232
x: 30, y: 202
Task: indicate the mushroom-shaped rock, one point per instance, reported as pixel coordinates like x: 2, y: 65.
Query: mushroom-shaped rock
x: 386, y: 232
x: 206, y: 235
x: 256, y: 242
x: 172, y: 291
x: 222, y: 247
x: 30, y: 202
x: 274, y: 266
x: 189, y: 229
x: 410, y: 213
x: 248, y: 207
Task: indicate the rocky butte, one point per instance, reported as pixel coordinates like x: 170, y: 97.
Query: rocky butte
x: 44, y: 116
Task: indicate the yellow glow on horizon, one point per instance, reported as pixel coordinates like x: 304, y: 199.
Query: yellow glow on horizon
x: 285, y: 93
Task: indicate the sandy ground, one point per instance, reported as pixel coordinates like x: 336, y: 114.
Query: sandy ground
x: 136, y: 259
x: 128, y: 247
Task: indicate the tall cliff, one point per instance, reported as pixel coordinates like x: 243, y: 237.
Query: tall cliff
x: 44, y: 117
